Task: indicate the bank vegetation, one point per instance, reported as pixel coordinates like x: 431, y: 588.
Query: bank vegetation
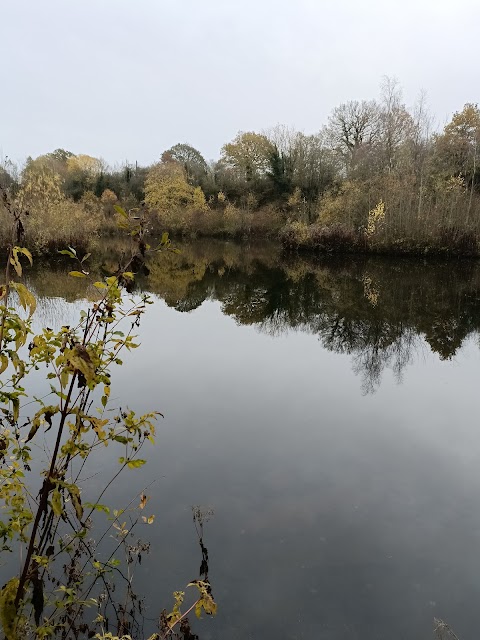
x: 377, y: 176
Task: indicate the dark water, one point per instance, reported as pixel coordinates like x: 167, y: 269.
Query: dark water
x: 329, y: 414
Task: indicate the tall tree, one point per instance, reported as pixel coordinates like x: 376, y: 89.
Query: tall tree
x: 353, y: 130
x: 83, y: 172
x: 194, y: 164
x: 396, y: 124
x: 248, y: 155
x: 314, y: 167
x: 282, y: 159
x: 166, y: 187
x: 457, y: 148
x: 280, y: 173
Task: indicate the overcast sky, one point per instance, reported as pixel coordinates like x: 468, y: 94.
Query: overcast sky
x: 127, y: 79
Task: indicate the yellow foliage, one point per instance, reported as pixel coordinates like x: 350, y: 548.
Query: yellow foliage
x: 91, y: 203
x: 455, y: 184
x: 166, y: 188
x: 198, y: 200
x: 231, y: 218
x: 300, y: 232
x: 295, y: 198
x: 251, y: 201
x: 172, y: 276
x: 375, y: 218
x: 248, y: 153
x: 370, y: 291
x: 84, y: 163
x: 54, y: 219
x: 341, y: 207
x: 40, y: 188
x: 8, y: 611
x: 108, y: 197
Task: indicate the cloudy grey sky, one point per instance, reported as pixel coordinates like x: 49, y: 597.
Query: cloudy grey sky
x: 126, y: 80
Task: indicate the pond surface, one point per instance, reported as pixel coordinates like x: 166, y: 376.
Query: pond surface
x: 328, y: 413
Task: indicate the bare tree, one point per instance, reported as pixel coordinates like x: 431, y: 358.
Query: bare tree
x: 397, y: 125
x: 353, y: 131
x: 420, y: 143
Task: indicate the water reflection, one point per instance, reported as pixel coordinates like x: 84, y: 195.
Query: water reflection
x: 336, y: 515
x: 379, y: 311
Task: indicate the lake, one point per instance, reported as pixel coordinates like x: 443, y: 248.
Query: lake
x: 328, y: 413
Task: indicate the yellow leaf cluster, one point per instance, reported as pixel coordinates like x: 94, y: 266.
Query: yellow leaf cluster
x: 376, y: 216
x: 166, y: 187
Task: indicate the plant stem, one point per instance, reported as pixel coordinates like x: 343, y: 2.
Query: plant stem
x: 43, y: 502
x: 7, y: 293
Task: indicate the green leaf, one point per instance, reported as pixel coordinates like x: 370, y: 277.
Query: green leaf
x: 27, y: 299
x: 98, y: 507
x: 135, y: 464
x: 76, y: 274
x: 80, y: 359
x: 8, y: 611
x: 3, y: 362
x: 57, y: 502
x: 48, y: 412
x: 74, y: 492
x: 66, y: 252
x: 114, y: 562
x: 16, y: 408
x: 26, y: 253
x: 121, y: 211
x: 15, y: 262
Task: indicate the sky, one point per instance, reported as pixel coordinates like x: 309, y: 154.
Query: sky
x: 126, y: 80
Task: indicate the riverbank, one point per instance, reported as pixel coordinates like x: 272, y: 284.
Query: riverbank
x: 386, y: 228
x: 318, y: 239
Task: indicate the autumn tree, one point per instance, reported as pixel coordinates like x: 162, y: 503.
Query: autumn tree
x: 40, y: 188
x: 85, y: 163
x: 192, y: 161
x: 55, y: 219
x: 78, y: 173
x: 54, y: 162
x: 82, y: 174
x: 61, y: 156
x: 244, y: 163
x: 457, y: 148
x: 166, y: 187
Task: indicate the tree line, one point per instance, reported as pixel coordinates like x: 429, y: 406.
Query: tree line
x: 376, y: 176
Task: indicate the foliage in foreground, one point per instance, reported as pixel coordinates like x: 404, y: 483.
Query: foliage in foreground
x: 69, y: 585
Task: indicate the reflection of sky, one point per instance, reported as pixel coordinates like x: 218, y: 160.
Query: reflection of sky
x: 55, y: 312
x: 337, y: 515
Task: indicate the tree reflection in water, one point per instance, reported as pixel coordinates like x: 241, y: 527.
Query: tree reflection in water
x: 380, y: 311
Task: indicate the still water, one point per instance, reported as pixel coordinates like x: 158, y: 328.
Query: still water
x: 328, y: 413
